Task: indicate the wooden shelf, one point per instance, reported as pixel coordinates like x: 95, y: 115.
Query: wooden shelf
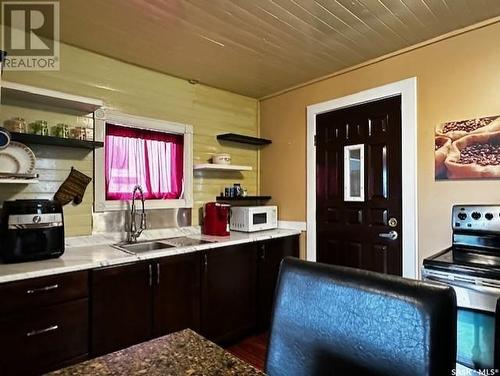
x: 15, y: 91
x: 242, y: 139
x: 27, y: 138
x: 246, y: 198
x: 221, y: 167
x: 17, y: 181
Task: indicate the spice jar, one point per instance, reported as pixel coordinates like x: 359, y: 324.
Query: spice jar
x: 78, y: 133
x: 39, y: 127
x: 16, y: 124
x: 60, y: 130
x: 89, y: 133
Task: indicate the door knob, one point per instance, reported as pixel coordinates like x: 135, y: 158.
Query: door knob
x: 392, y: 235
x: 393, y: 222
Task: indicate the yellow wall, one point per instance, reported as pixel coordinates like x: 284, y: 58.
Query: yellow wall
x: 130, y: 89
x: 458, y: 78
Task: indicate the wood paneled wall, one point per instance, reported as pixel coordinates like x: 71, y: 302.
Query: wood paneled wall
x: 130, y: 89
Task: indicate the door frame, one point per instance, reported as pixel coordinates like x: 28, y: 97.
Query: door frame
x: 408, y: 90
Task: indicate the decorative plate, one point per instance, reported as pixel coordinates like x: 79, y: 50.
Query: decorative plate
x: 17, y: 156
x: 9, y: 164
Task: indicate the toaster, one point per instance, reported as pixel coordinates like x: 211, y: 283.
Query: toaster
x: 31, y: 230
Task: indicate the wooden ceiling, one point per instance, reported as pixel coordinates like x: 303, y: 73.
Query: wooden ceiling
x: 258, y: 47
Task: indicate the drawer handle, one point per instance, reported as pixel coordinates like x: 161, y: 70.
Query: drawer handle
x: 150, y: 275
x: 157, y: 273
x: 42, y: 289
x: 41, y: 331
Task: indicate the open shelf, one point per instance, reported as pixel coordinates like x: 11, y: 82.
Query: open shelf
x: 242, y: 139
x: 17, y: 181
x: 15, y: 91
x: 27, y: 138
x: 14, y: 178
x: 246, y: 198
x: 221, y: 167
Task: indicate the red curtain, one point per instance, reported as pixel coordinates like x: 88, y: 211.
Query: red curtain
x: 154, y: 160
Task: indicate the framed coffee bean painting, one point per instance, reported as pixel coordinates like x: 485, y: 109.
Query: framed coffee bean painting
x: 468, y: 149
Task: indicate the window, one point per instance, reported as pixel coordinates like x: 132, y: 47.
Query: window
x: 354, y: 176
x: 154, y: 154
x: 153, y: 160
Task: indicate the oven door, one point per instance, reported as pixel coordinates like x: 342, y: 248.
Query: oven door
x: 478, y: 320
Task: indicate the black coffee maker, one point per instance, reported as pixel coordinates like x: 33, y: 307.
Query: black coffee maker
x: 31, y: 230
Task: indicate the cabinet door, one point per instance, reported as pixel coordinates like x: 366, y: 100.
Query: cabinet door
x: 177, y: 293
x: 229, y: 292
x: 121, y: 306
x: 271, y: 253
x: 38, y: 340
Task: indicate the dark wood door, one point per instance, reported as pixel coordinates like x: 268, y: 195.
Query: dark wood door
x: 349, y: 232
x: 229, y: 292
x: 177, y: 293
x: 121, y: 307
x: 271, y: 253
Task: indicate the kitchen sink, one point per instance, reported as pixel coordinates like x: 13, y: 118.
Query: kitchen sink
x: 143, y: 247
x: 184, y: 241
x: 135, y: 248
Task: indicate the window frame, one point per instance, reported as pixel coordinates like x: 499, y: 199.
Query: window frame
x: 106, y: 116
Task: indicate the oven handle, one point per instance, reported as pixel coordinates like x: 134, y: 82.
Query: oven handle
x: 469, y: 286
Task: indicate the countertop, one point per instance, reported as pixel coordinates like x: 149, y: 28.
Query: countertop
x: 89, y: 252
x: 181, y: 353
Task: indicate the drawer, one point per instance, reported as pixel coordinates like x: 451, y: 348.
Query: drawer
x: 41, y: 339
x: 37, y: 292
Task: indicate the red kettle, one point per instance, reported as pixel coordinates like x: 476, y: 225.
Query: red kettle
x: 216, y: 219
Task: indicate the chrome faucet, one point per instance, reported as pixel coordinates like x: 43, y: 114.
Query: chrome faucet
x: 134, y: 233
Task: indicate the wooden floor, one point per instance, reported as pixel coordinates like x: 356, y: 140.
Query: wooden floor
x: 252, y: 350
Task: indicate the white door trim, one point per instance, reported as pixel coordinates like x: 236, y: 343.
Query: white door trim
x: 408, y: 90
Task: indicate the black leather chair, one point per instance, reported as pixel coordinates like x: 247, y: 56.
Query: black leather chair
x: 331, y: 320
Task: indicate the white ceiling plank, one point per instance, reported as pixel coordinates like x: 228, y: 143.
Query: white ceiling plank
x: 258, y: 47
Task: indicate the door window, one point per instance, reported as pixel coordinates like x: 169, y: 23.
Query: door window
x: 354, y: 175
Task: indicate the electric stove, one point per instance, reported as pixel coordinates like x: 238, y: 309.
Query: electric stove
x: 472, y: 267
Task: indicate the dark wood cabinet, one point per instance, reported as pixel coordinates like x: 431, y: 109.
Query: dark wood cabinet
x: 44, y: 323
x: 229, y: 281
x: 135, y: 302
x: 36, y: 292
x: 43, y: 339
x: 121, y: 310
x: 270, y: 254
x: 224, y: 293
x: 176, y: 294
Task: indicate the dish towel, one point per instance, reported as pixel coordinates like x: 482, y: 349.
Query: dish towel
x: 73, y: 188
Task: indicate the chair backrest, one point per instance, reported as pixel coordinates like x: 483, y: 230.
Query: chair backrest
x: 331, y: 320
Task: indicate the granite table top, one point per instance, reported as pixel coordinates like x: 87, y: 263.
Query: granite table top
x: 181, y: 353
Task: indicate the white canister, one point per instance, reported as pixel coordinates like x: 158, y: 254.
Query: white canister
x: 223, y: 158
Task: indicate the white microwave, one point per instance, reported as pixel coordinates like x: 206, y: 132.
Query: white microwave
x: 253, y: 218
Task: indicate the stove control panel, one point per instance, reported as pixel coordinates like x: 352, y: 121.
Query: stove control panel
x: 476, y: 217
